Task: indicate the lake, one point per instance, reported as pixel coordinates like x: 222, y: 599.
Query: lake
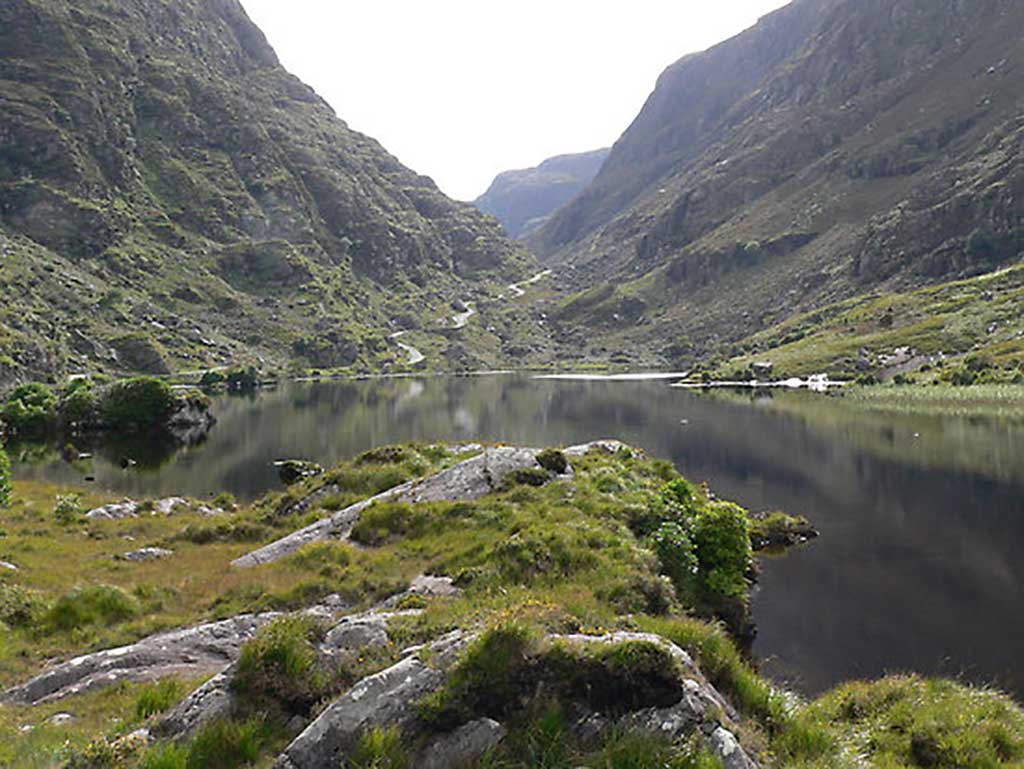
x: 918, y: 567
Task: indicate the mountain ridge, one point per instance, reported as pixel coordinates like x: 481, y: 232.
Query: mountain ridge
x: 169, y: 193
x: 524, y: 199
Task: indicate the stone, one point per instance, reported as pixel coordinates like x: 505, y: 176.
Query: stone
x: 387, y: 699
x: 188, y: 653
x: 60, y: 719
x: 146, y: 554
x: 466, y: 744
x: 8, y: 566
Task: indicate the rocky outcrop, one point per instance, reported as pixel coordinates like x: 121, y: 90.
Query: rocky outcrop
x: 131, y: 508
x: 463, y: 746
x: 190, y: 653
x: 387, y: 699
x: 471, y: 479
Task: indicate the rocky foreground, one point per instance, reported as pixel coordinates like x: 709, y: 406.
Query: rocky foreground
x: 463, y: 606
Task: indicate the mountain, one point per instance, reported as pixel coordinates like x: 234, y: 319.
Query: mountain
x: 837, y: 149
x: 172, y: 198
x: 524, y: 200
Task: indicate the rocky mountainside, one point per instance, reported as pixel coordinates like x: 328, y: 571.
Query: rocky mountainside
x: 524, y: 200
x: 171, y: 197
x: 835, y: 149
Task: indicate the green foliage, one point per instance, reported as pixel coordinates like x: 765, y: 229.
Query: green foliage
x: 30, y: 410
x: 159, y: 697
x: 381, y: 522
x: 228, y: 744
x: 224, y: 531
x: 171, y: 755
x: 243, y: 380
x: 104, y: 754
x: 553, y: 461
x: 378, y: 748
x: 6, y: 488
x: 79, y: 405
x: 95, y: 605
x: 528, y: 476
x: 677, y: 555
x: 137, y: 404
x: 721, y: 536
x: 67, y: 509
x: 279, y: 666
x: 19, y: 606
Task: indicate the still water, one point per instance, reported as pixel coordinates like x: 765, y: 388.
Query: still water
x: 919, y: 566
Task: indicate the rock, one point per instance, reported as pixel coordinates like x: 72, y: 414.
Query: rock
x: 471, y: 479
x: 426, y: 586
x: 387, y: 699
x: 465, y: 745
x: 724, y: 744
x: 211, y: 701
x: 146, y: 554
x: 132, y: 509
x: 60, y: 719
x: 291, y: 471
x: 8, y: 566
x: 189, y: 653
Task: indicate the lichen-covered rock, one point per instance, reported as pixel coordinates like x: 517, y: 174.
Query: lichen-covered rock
x: 387, y: 699
x: 189, y: 653
x: 146, y: 554
x: 463, y: 746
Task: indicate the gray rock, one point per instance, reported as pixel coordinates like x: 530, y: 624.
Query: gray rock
x: 146, y: 554
x: 466, y: 744
x: 387, y: 699
x: 189, y: 653
x: 8, y: 566
x: 471, y: 479
x: 131, y: 509
x: 60, y: 719
x: 211, y: 701
x: 426, y: 586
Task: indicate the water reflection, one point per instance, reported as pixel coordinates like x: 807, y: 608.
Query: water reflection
x: 922, y: 519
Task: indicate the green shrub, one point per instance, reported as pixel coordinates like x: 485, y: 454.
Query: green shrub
x: 30, y: 410
x: 159, y: 697
x: 68, y: 509
x: 528, y: 476
x: 79, y: 406
x: 721, y: 536
x: 5, y: 479
x: 279, y: 666
x: 242, y: 380
x: 95, y: 605
x: 171, y: 755
x: 553, y: 461
x: 104, y: 754
x: 137, y: 404
x: 19, y: 606
x: 677, y: 555
x: 378, y: 748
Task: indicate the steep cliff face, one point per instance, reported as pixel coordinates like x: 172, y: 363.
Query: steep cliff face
x: 524, y: 200
x: 837, y: 147
x: 161, y: 173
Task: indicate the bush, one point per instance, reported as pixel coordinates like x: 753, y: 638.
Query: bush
x: 241, y: 380
x: 380, y: 523
x: 30, y: 410
x: 279, y: 666
x: 99, y: 604
x: 137, y: 404
x: 5, y: 479
x: 721, y: 536
x: 105, y: 754
x: 19, y: 606
x: 68, y: 509
x: 553, y: 461
x: 79, y: 407
x: 677, y: 555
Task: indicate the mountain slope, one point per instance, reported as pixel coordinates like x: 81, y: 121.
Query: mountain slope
x: 524, y: 200
x: 838, y: 147
x: 171, y: 197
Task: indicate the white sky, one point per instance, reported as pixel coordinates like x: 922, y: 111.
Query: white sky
x: 461, y: 90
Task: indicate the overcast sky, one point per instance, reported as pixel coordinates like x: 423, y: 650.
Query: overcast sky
x: 463, y: 89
